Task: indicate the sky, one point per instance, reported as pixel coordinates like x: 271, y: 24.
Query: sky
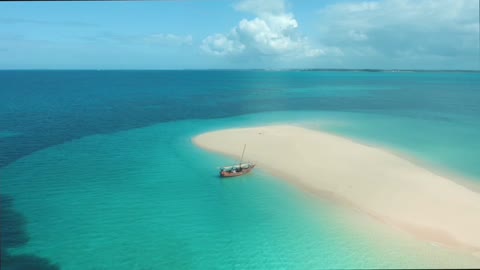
x: 243, y: 34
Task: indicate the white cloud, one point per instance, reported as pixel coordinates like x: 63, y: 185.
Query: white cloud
x: 219, y: 44
x: 403, y: 33
x: 355, y: 34
x: 273, y: 32
x: 168, y: 39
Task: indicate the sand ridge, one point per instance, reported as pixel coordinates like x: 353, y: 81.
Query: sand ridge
x: 387, y: 187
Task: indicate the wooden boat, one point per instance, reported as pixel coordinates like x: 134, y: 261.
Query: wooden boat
x: 237, y: 169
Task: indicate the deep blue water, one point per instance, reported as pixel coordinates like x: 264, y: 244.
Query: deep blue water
x: 46, y: 108
x: 66, y: 201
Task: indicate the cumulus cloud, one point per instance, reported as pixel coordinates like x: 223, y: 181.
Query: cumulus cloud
x: 403, y: 32
x: 219, y: 44
x: 273, y: 32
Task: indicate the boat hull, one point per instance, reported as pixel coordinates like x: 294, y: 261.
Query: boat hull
x: 226, y: 174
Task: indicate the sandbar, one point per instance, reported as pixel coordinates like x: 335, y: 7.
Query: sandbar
x: 389, y: 188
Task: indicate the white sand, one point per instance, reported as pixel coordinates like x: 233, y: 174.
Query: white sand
x: 383, y: 185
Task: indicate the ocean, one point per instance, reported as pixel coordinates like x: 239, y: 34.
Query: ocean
x: 98, y: 171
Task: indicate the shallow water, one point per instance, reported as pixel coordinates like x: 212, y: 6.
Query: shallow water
x: 147, y: 198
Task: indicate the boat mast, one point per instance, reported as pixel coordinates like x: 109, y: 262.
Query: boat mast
x: 245, y: 146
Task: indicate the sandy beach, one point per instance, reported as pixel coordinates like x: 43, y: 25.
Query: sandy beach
x: 383, y: 185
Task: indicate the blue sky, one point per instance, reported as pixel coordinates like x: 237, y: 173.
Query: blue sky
x: 418, y: 34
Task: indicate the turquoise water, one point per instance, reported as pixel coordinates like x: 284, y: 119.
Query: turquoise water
x: 142, y: 196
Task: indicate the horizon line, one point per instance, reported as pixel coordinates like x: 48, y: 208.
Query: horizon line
x: 249, y: 69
